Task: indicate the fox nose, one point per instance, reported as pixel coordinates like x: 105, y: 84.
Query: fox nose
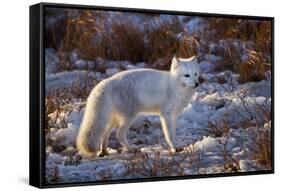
x: 196, y: 84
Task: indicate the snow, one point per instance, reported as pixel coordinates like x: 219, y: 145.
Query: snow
x: 112, y: 71
x: 207, y: 66
x: 211, y: 144
x: 51, y: 61
x: 194, y: 25
x: 68, y: 135
x: 67, y: 79
x: 83, y: 64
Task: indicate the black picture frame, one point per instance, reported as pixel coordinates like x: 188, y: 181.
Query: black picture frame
x: 37, y: 94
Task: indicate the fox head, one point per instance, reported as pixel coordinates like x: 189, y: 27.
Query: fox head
x: 186, y: 70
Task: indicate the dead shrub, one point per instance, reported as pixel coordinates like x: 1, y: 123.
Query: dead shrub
x: 240, y: 37
x: 52, y: 102
x: 87, y: 33
x: 261, y: 147
x: 123, y: 42
x: 81, y: 87
x: 258, y: 128
x: 155, y: 165
x: 53, y: 175
x: 260, y: 144
x: 253, y: 69
x: 218, y: 129
x: 230, y: 163
x: 73, y: 31
x: 195, y: 158
x: 57, y: 101
x: 161, y: 44
x: 221, y: 80
x: 145, y: 165
x: 259, y: 32
x: 231, y: 57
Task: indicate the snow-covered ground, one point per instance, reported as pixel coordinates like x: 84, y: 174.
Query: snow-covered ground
x: 205, y: 150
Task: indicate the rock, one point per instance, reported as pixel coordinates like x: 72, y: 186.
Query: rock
x: 219, y: 104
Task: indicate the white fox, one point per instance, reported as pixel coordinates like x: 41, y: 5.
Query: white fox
x: 118, y: 100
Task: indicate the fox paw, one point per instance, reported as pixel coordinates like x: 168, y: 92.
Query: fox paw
x: 102, y: 153
x: 172, y: 150
x: 175, y: 150
x: 179, y: 149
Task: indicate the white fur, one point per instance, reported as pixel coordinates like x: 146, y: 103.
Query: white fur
x: 118, y: 100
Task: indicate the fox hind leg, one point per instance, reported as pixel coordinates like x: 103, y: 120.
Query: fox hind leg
x: 103, y: 147
x: 122, y: 133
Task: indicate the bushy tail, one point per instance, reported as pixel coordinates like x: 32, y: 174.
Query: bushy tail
x: 94, y: 122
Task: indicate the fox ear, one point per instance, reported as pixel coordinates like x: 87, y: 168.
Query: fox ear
x: 193, y: 58
x: 175, y: 63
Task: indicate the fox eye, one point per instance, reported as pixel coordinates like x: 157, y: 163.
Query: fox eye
x: 187, y: 75
x: 195, y: 74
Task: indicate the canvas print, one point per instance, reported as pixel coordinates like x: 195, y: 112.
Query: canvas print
x: 133, y: 95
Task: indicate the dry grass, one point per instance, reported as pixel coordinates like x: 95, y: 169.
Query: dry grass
x: 253, y: 69
x: 261, y: 147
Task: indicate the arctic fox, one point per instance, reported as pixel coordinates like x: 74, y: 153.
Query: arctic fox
x: 118, y: 100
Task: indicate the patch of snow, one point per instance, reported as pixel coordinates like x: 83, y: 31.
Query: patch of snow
x: 84, y: 64
x: 207, y: 144
x: 111, y: 71
x: 262, y: 88
x: 194, y: 25
x: 141, y: 65
x: 51, y: 61
x: 247, y: 165
x: 207, y: 66
x: 130, y: 67
x: 68, y: 78
x: 67, y: 136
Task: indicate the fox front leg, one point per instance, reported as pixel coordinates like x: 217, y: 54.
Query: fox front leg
x: 169, y: 130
